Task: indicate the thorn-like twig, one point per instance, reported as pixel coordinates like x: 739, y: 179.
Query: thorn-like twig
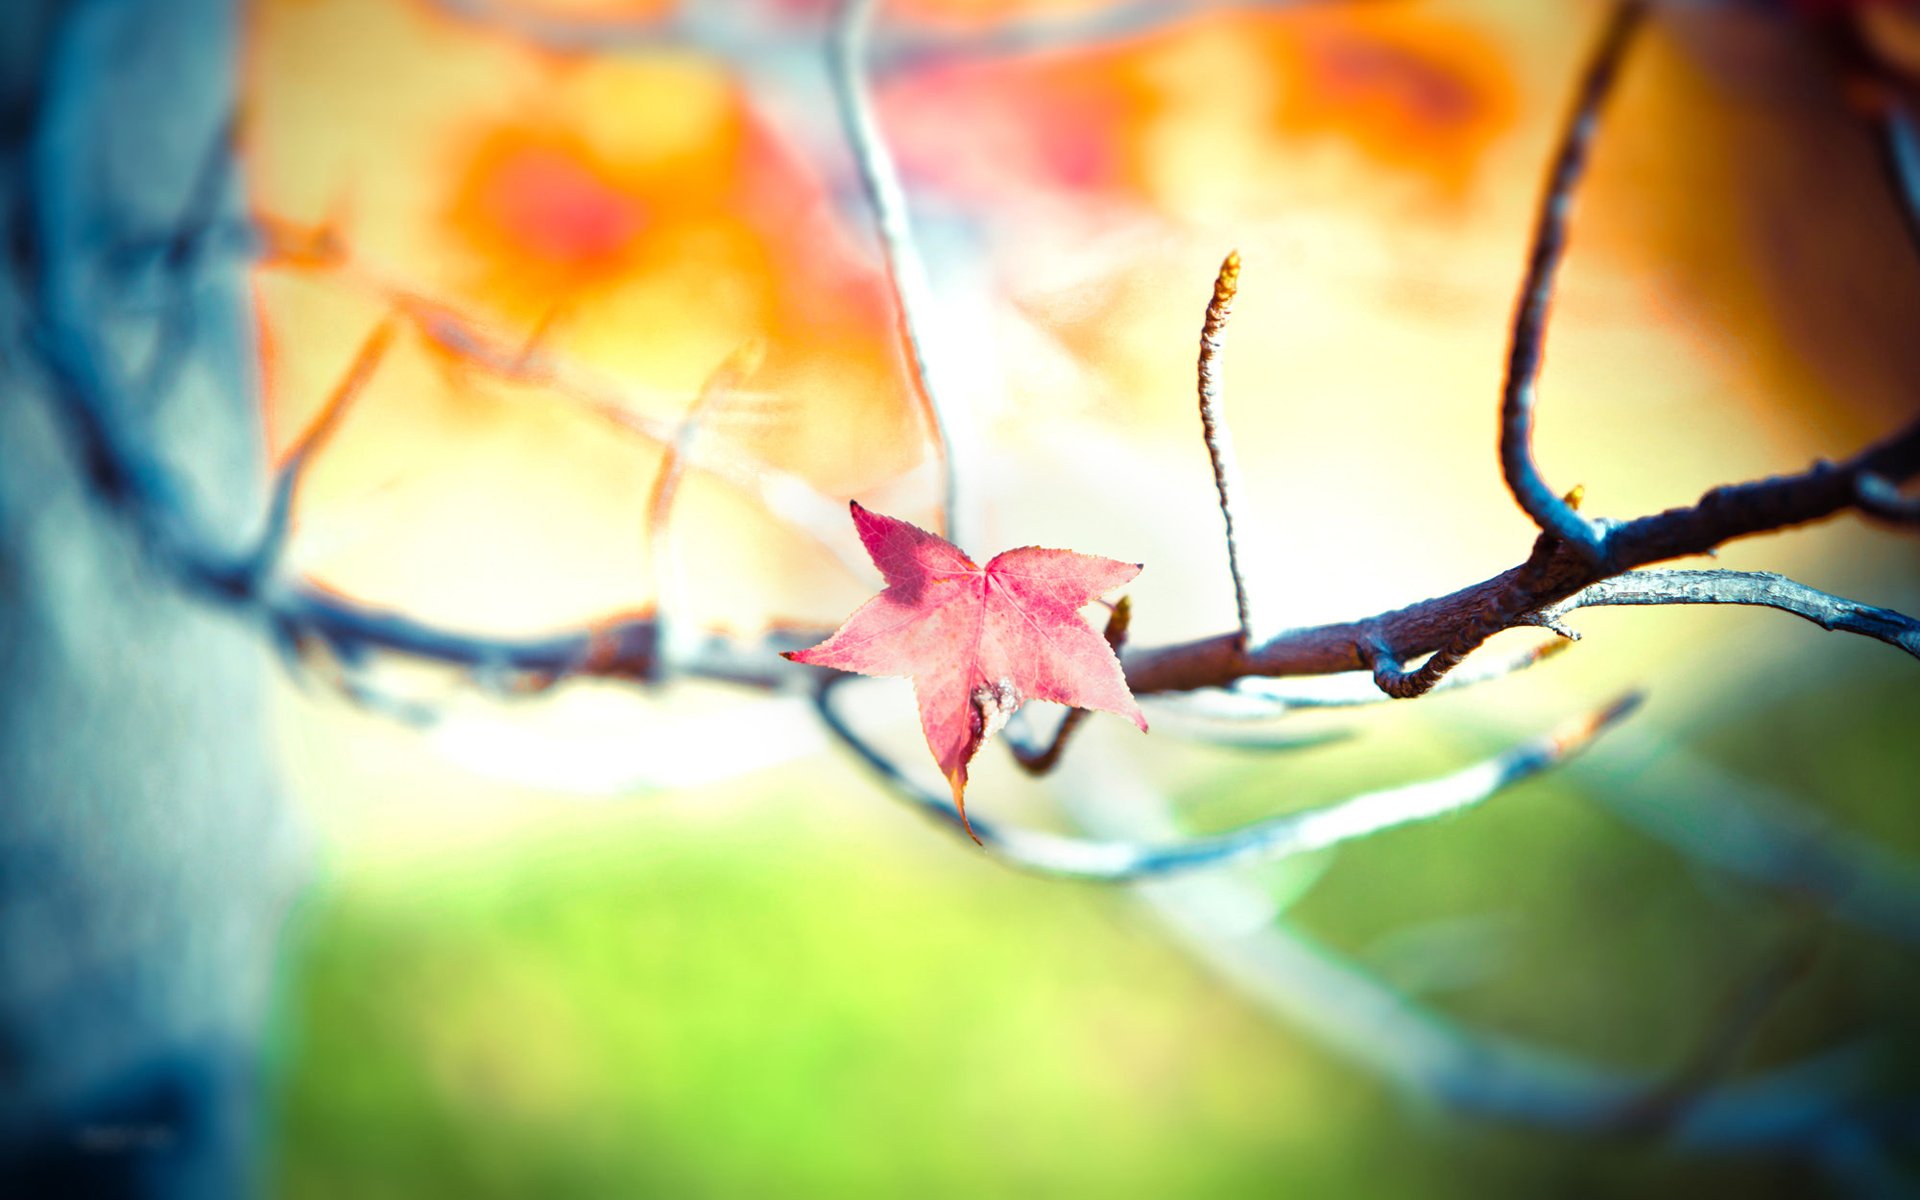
x: 1213, y: 428
x: 906, y: 272
x: 1549, y: 511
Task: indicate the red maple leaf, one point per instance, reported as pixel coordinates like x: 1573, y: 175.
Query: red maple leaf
x: 979, y: 641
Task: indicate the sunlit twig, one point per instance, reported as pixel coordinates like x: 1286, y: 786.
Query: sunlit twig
x: 312, y: 440
x: 906, y: 272
x: 1552, y: 514
x: 1213, y: 429
x: 1759, y: 588
x: 666, y: 488
x: 1276, y: 838
x: 1802, y: 1110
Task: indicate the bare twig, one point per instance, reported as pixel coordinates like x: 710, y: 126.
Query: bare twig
x: 913, y: 293
x: 1397, y: 681
x: 1213, y: 428
x: 666, y: 487
x: 1552, y: 574
x: 1760, y: 588
x: 1552, y: 514
x: 783, y: 494
x: 1264, y: 841
x: 1800, y: 1109
x: 286, y: 481
x: 1485, y: 669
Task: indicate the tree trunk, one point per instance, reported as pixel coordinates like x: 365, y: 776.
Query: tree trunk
x: 145, y: 854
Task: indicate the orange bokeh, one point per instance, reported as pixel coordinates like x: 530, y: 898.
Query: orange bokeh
x: 641, y: 215
x: 1418, y: 93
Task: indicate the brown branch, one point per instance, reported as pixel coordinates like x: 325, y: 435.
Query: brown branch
x: 1255, y: 699
x: 1552, y: 514
x: 1552, y: 574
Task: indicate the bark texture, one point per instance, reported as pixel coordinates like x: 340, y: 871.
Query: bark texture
x: 145, y: 855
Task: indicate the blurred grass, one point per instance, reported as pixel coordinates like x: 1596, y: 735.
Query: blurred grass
x: 834, y: 999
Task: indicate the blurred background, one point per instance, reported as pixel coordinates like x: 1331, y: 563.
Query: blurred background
x: 615, y: 941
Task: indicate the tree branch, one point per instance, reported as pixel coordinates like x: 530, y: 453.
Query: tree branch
x: 1800, y: 1110
x: 1276, y: 838
x: 1552, y: 514
x: 1551, y: 575
x: 906, y: 273
x: 1761, y: 588
x: 273, y: 539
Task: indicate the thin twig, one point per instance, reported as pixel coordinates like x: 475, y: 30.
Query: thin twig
x: 1276, y: 838
x: 196, y: 228
x: 666, y: 488
x: 1551, y: 513
x: 1485, y: 669
x: 783, y: 494
x: 906, y: 273
x: 1760, y: 588
x: 273, y: 539
x: 1552, y: 574
x: 1398, y: 682
x: 786, y: 496
x: 1799, y: 1109
x: 1213, y: 428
